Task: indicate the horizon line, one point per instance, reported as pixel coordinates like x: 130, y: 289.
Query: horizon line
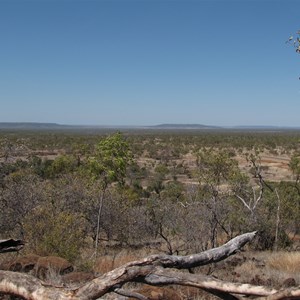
x: 166, y: 125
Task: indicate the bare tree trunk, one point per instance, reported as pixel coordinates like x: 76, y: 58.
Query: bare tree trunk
x: 277, y: 221
x: 100, y: 207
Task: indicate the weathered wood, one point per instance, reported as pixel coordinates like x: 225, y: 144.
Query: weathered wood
x: 29, y: 287
x: 203, y: 258
x: 130, y: 294
x: 153, y: 270
x: 167, y: 276
x: 287, y: 294
x: 151, y: 267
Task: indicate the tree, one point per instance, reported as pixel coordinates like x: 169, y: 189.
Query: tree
x: 55, y: 232
x: 295, y: 41
x: 107, y: 166
x: 216, y: 170
x: 295, y: 168
x: 249, y: 194
x: 20, y: 196
x: 224, y: 189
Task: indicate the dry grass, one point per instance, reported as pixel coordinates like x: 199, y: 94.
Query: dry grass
x: 248, y: 268
x: 107, y: 263
x: 270, y: 268
x: 53, y: 277
x: 283, y: 265
x: 6, y: 259
x: 288, y: 262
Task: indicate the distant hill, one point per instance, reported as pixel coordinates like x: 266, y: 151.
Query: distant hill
x: 31, y: 125
x: 264, y: 128
x: 51, y: 126
x: 55, y: 126
x: 256, y: 127
x: 184, y: 126
x: 35, y: 126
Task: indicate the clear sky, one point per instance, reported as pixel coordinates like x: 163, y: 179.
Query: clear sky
x: 147, y: 62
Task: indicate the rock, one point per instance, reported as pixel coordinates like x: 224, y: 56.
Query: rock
x: 77, y: 277
x: 24, y: 263
x: 289, y: 282
x: 52, y: 263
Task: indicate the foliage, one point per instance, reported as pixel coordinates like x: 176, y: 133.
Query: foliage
x: 53, y: 232
x: 110, y: 160
x: 295, y: 41
x: 179, y: 190
x: 295, y: 168
x: 216, y: 167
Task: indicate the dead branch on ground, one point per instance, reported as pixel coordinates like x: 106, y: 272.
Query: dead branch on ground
x: 152, y: 270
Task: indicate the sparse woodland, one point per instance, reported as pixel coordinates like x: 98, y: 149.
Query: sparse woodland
x: 159, y: 196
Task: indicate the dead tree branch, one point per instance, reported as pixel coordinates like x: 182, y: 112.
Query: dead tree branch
x: 288, y: 294
x: 130, y: 294
x: 153, y: 270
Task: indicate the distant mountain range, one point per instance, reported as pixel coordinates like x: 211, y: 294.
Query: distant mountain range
x: 55, y: 126
x: 31, y: 125
x: 185, y: 126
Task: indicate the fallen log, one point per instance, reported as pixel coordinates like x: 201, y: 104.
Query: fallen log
x: 152, y: 270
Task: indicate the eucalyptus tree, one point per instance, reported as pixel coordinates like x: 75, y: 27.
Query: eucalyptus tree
x: 233, y: 199
x: 295, y: 41
x: 215, y: 171
x: 295, y: 168
x: 108, y: 165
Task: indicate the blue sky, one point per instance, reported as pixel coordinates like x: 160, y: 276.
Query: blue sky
x: 147, y: 62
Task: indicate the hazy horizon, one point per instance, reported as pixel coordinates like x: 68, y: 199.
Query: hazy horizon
x: 15, y: 125
x: 143, y: 63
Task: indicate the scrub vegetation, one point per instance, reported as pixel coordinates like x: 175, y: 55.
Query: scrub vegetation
x: 101, y: 198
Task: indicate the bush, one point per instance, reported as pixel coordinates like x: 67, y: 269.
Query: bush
x: 55, y: 233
